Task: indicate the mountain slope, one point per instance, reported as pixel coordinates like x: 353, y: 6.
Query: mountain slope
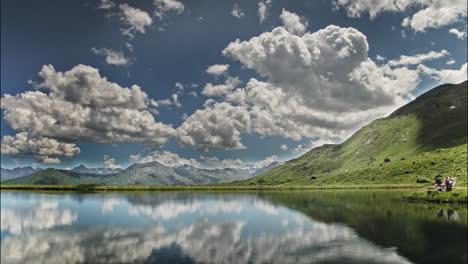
x: 100, y: 171
x: 423, y: 138
x: 151, y: 173
x: 268, y: 167
x: 59, y: 177
x: 8, y: 174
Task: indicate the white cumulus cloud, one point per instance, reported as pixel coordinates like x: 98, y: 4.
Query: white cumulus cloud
x: 222, y: 163
x: 446, y: 75
x: 42, y: 149
x: 217, y: 126
x: 221, y: 89
x: 110, y: 163
x: 424, y: 13
x: 328, y: 69
x: 136, y: 19
x: 418, y: 58
x: 83, y: 106
x: 112, y: 57
x: 293, y: 23
x: 106, y: 4
x: 165, y: 6
x: 320, y: 84
x: 217, y: 69
x: 450, y: 62
x: 263, y: 7
x: 166, y: 158
x: 459, y: 34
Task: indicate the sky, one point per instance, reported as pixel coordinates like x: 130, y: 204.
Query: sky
x: 210, y: 83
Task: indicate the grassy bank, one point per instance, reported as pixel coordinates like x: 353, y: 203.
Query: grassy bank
x: 91, y: 187
x: 455, y: 196
x: 403, y: 170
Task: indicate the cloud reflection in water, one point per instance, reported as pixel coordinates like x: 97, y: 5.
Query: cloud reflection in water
x: 232, y: 230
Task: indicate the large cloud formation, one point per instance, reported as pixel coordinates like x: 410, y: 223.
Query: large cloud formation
x: 215, y: 127
x: 320, y: 84
x: 328, y: 68
x: 82, y: 106
x: 42, y: 149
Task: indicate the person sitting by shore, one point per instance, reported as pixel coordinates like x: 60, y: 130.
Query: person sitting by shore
x: 448, y: 184
x: 437, y: 182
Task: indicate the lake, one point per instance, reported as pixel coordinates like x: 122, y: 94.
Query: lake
x: 345, y: 226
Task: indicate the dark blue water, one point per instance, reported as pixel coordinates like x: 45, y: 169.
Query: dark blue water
x: 271, y: 227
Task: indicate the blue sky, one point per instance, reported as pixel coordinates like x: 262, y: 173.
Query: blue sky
x: 291, y: 82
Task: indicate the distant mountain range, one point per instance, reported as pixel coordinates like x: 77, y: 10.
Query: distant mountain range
x: 9, y: 174
x: 151, y: 173
x: 99, y: 171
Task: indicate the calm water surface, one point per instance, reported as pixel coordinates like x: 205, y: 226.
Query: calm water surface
x: 249, y: 227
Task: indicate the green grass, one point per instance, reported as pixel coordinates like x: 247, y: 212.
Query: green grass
x: 454, y: 196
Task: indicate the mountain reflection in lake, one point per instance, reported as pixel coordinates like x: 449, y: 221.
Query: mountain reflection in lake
x: 269, y: 227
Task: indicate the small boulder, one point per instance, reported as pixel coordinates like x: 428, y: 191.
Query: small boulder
x: 420, y: 179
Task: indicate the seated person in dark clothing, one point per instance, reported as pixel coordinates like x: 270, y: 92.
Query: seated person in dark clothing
x: 437, y: 182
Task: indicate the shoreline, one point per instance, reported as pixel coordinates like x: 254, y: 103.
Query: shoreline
x: 431, y: 196
x: 419, y: 195
x: 86, y: 187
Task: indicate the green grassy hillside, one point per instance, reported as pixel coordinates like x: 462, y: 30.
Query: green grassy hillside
x: 54, y: 176
x: 421, y: 139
